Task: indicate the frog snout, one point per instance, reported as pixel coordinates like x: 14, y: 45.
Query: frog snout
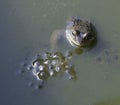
x: 81, y: 36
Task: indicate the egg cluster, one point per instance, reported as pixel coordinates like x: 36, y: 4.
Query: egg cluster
x: 51, y: 64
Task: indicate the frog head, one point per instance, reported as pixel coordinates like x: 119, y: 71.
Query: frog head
x: 80, y: 33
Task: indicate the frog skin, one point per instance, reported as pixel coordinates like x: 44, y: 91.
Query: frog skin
x: 79, y: 33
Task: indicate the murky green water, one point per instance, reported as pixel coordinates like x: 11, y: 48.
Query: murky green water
x: 25, y: 29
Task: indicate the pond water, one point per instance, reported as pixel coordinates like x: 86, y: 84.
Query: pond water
x: 25, y: 29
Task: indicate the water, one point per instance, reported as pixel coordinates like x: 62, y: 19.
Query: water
x: 25, y: 29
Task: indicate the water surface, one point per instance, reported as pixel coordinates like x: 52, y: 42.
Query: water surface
x: 25, y: 29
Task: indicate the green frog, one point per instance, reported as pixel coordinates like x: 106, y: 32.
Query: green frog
x: 79, y: 33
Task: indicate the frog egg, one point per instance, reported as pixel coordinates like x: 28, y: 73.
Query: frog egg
x: 36, y: 64
x: 38, y: 77
x: 99, y: 60
x: 46, y: 61
x: 71, y: 72
x: 67, y: 71
x: 52, y: 73
x: 30, y: 67
x: 58, y: 68
x: 60, y: 56
x: 68, y: 65
x: 55, y: 56
x: 35, y: 71
x: 39, y: 86
x: 116, y: 57
x: 68, y: 75
x: 42, y: 75
x: 47, y: 55
x: 51, y: 67
x: 41, y: 67
x: 54, y: 62
x: 68, y: 55
x: 23, y: 64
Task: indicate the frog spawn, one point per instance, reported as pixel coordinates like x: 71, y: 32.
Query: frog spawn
x: 108, y: 62
x: 51, y: 64
x: 108, y: 56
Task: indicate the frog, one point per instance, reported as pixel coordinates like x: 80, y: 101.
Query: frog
x: 80, y: 33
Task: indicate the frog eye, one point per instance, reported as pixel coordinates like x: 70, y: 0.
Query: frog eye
x: 76, y: 33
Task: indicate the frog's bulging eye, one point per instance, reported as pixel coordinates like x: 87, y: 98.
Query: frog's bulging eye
x: 76, y: 33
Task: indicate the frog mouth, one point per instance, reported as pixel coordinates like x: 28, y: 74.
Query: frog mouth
x: 79, y: 40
